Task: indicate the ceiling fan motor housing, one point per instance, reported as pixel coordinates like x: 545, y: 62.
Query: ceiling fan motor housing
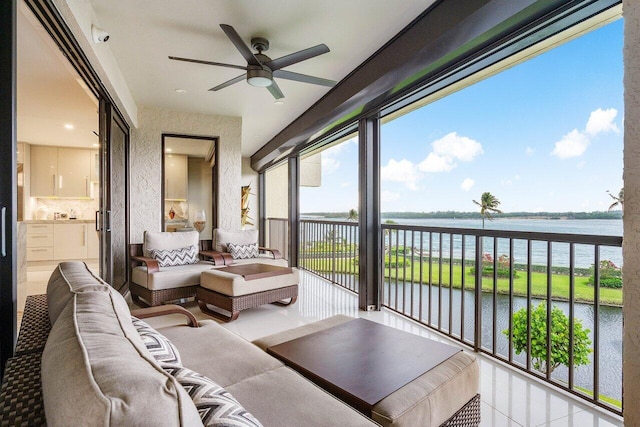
x: 260, y: 76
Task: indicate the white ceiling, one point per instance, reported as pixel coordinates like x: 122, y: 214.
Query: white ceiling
x: 144, y: 32
x: 50, y: 94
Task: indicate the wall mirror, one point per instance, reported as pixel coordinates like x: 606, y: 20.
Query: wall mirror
x: 189, y: 176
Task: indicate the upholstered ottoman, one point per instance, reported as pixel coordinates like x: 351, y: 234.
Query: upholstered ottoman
x: 240, y: 287
x: 446, y: 395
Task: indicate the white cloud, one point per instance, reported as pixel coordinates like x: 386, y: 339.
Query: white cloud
x: 529, y: 151
x: 436, y: 163
x: 467, y: 184
x: 457, y: 147
x: 517, y: 177
x: 507, y: 183
x: 447, y: 150
x: 402, y: 171
x: 389, y: 196
x: 573, y: 144
x: 329, y: 165
x: 601, y: 121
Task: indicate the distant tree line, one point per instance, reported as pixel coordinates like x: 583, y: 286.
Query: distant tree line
x: 476, y: 215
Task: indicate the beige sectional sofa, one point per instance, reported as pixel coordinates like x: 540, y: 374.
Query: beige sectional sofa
x: 97, y: 366
x: 97, y: 371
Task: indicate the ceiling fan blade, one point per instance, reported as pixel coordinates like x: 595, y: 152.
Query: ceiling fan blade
x: 199, y: 61
x: 239, y: 44
x: 275, y: 90
x: 229, y: 82
x: 296, y: 57
x: 289, y: 75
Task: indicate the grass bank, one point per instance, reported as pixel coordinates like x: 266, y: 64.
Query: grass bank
x: 420, y: 272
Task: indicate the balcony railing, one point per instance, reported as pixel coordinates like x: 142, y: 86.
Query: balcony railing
x: 510, y: 295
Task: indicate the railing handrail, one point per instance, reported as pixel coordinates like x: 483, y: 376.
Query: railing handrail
x: 587, y: 239
x: 330, y: 222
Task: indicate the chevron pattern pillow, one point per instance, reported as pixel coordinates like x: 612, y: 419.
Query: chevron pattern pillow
x: 158, y: 345
x: 174, y: 257
x: 216, y: 406
x: 243, y: 251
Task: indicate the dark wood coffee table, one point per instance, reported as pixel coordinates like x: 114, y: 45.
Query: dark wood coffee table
x: 362, y: 362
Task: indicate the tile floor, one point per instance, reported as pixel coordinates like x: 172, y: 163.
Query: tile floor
x: 509, y: 398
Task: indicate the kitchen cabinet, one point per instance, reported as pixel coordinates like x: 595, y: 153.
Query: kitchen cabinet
x: 70, y: 241
x: 44, y: 171
x: 95, y: 166
x: 60, y: 172
x: 93, y: 242
x: 74, y: 168
x: 39, y: 242
x: 175, y: 177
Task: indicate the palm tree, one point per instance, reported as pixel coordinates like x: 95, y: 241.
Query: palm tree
x: 488, y: 204
x: 618, y: 200
x: 353, y: 215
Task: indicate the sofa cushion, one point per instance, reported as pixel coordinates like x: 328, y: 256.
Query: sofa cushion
x: 243, y: 251
x: 216, y: 406
x: 284, y: 398
x: 170, y: 277
x: 66, y: 280
x: 96, y: 370
x: 173, y: 257
x: 264, y: 259
x: 221, y: 238
x: 158, y: 345
x: 219, y: 354
x: 167, y: 240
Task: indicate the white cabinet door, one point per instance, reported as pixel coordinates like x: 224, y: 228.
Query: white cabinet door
x: 74, y: 170
x: 44, y: 171
x: 93, y: 242
x: 175, y: 174
x: 70, y: 241
x: 95, y: 166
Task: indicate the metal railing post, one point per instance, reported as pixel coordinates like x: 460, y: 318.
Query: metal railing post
x: 477, y: 338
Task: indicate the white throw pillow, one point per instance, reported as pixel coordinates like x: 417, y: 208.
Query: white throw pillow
x: 216, y: 406
x: 174, y: 257
x: 243, y: 251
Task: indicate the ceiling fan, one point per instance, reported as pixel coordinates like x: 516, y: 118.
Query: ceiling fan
x: 260, y: 69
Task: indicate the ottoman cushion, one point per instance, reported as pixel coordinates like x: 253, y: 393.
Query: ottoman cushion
x: 235, y: 285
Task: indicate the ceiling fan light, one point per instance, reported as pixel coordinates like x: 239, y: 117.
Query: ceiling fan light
x: 259, y: 77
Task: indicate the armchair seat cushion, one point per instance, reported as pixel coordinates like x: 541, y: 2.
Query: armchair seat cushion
x: 170, y: 277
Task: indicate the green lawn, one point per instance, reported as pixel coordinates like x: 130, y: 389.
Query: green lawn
x: 560, y: 282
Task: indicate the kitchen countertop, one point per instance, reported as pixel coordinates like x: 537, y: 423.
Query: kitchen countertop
x: 59, y: 221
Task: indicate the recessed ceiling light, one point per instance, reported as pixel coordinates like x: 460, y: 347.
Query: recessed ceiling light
x: 167, y: 150
x: 68, y: 126
x: 181, y: 91
x: 278, y: 102
x: 96, y: 145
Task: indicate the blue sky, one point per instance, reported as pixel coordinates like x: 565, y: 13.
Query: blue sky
x: 545, y: 135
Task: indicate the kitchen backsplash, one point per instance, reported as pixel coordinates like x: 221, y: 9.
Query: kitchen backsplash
x: 46, y: 208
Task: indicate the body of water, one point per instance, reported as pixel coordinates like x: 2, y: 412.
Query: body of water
x: 610, y: 327
x: 584, y: 254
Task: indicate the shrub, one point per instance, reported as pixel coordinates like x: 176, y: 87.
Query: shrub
x: 610, y: 275
x: 559, y: 338
x: 487, y: 266
x: 399, y: 263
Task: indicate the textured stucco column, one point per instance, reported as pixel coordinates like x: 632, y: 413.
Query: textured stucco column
x: 146, y: 162
x: 631, y: 246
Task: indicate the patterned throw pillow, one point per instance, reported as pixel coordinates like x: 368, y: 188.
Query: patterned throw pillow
x: 173, y: 257
x: 158, y: 345
x: 216, y: 406
x: 243, y: 251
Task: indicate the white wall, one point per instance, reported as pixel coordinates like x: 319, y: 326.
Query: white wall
x: 631, y: 245
x: 146, y: 161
